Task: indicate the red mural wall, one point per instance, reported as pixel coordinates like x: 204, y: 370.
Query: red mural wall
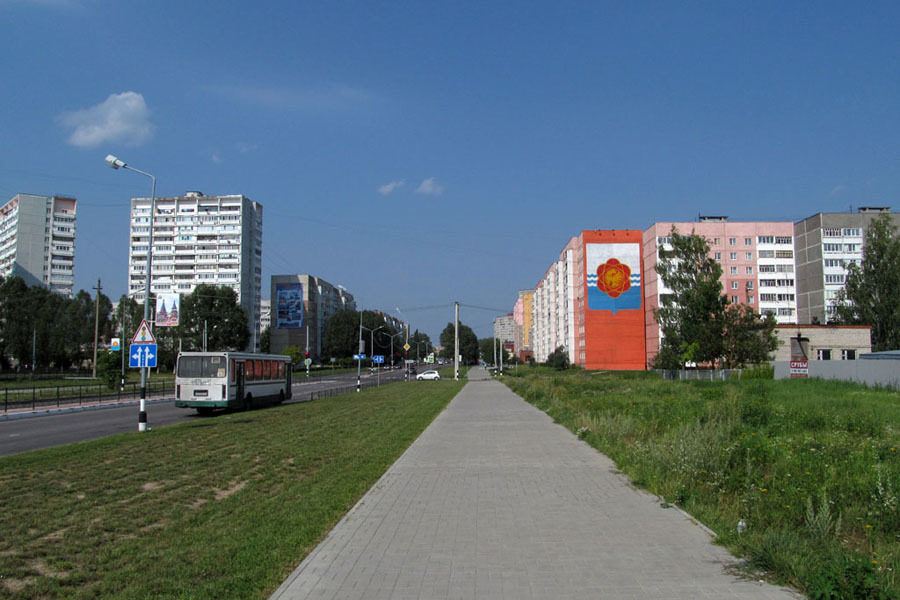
x: 614, y: 310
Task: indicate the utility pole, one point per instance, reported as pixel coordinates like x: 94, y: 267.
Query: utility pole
x: 96, y: 329
x: 359, y: 350
x: 306, y: 359
x: 456, y: 342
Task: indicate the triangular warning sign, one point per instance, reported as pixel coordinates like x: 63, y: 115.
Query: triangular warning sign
x: 143, y: 335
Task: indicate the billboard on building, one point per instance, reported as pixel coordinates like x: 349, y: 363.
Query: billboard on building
x: 614, y: 315
x: 167, y: 307
x: 288, y: 305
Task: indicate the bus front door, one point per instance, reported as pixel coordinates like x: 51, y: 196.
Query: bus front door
x: 239, y: 384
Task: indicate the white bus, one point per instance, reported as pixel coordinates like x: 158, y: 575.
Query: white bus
x: 209, y: 380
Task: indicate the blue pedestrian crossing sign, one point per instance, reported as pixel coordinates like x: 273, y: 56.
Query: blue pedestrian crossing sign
x: 378, y: 359
x: 142, y: 355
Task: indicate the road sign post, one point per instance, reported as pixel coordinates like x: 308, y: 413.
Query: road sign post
x: 143, y: 336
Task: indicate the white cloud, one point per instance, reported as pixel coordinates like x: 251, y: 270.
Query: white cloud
x: 390, y: 187
x: 216, y: 158
x: 122, y: 118
x: 430, y: 187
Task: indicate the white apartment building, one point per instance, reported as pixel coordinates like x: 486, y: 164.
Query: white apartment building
x: 505, y: 328
x: 199, y: 239
x: 37, y: 241
x: 553, y: 308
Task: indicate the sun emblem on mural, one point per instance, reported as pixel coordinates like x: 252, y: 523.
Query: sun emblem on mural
x: 614, y: 278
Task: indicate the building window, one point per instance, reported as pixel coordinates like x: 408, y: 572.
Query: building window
x: 851, y: 247
x: 785, y: 312
x: 749, y: 270
x: 733, y: 256
x: 767, y: 254
x: 832, y: 247
x: 715, y: 241
x: 750, y: 299
x: 784, y: 254
x: 848, y: 354
x: 765, y: 239
x: 749, y: 285
x: 823, y: 354
x: 834, y: 279
x: 734, y: 300
x: 748, y: 241
x: 734, y: 270
x: 734, y: 285
x: 717, y: 256
x: 783, y: 240
x: 855, y: 232
x: 732, y: 241
x: 748, y: 256
x: 831, y: 232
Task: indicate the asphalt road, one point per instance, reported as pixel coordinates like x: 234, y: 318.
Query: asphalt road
x: 23, y: 435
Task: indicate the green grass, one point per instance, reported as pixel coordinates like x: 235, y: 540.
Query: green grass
x: 224, y: 507
x: 812, y: 467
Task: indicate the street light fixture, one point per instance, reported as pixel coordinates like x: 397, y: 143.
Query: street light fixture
x: 392, y: 346
x: 115, y: 163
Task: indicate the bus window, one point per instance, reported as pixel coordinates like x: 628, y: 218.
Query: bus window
x: 258, y: 369
x: 267, y: 369
x: 232, y: 371
x: 280, y: 370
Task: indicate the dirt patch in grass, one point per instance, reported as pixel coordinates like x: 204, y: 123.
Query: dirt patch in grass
x: 234, y: 488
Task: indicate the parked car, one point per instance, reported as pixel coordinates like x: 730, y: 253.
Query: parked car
x: 428, y: 375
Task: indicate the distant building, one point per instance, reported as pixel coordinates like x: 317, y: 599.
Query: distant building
x: 198, y: 239
x: 301, y: 307
x: 826, y: 243
x: 524, y: 323
x: 505, y: 328
x: 37, y: 241
x: 265, y: 314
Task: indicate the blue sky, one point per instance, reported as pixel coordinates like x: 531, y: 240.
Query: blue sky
x: 424, y: 152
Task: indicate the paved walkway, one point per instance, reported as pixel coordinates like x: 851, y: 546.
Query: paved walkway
x: 494, y: 500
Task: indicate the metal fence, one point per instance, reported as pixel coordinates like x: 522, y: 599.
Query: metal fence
x: 701, y: 374
x: 78, y: 395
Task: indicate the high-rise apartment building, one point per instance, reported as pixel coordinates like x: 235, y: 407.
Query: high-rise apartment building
x: 757, y: 260
x: 198, y: 239
x: 301, y: 307
x: 826, y: 244
x: 505, y: 328
x: 524, y: 319
x: 590, y: 302
x: 37, y: 241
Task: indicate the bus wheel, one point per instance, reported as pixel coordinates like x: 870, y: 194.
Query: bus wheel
x: 204, y: 410
x: 280, y: 396
x: 248, y: 402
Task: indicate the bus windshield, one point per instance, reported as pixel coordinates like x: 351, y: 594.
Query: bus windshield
x: 201, y: 366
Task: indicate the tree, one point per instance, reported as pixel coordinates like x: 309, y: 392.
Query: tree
x: 748, y: 338
x: 468, y: 343
x: 692, y: 317
x: 486, y: 349
x: 871, y: 295
x: 265, y: 340
x: 341, y: 338
x: 559, y: 359
x: 216, y: 307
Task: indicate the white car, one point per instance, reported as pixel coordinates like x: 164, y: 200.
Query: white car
x: 428, y: 375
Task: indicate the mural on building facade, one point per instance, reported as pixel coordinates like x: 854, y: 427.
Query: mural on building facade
x: 613, y: 273
x: 288, y: 305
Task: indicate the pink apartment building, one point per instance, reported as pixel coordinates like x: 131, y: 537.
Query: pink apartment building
x: 757, y: 261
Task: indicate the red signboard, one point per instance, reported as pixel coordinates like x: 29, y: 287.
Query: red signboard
x: 799, y: 368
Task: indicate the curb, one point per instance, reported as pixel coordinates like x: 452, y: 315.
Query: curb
x: 72, y: 409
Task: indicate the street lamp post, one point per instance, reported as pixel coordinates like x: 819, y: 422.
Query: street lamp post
x: 115, y: 163
x: 392, y: 346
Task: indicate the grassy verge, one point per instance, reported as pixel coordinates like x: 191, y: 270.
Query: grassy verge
x: 224, y: 507
x: 810, y: 467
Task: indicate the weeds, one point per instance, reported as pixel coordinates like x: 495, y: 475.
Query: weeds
x: 811, y: 468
